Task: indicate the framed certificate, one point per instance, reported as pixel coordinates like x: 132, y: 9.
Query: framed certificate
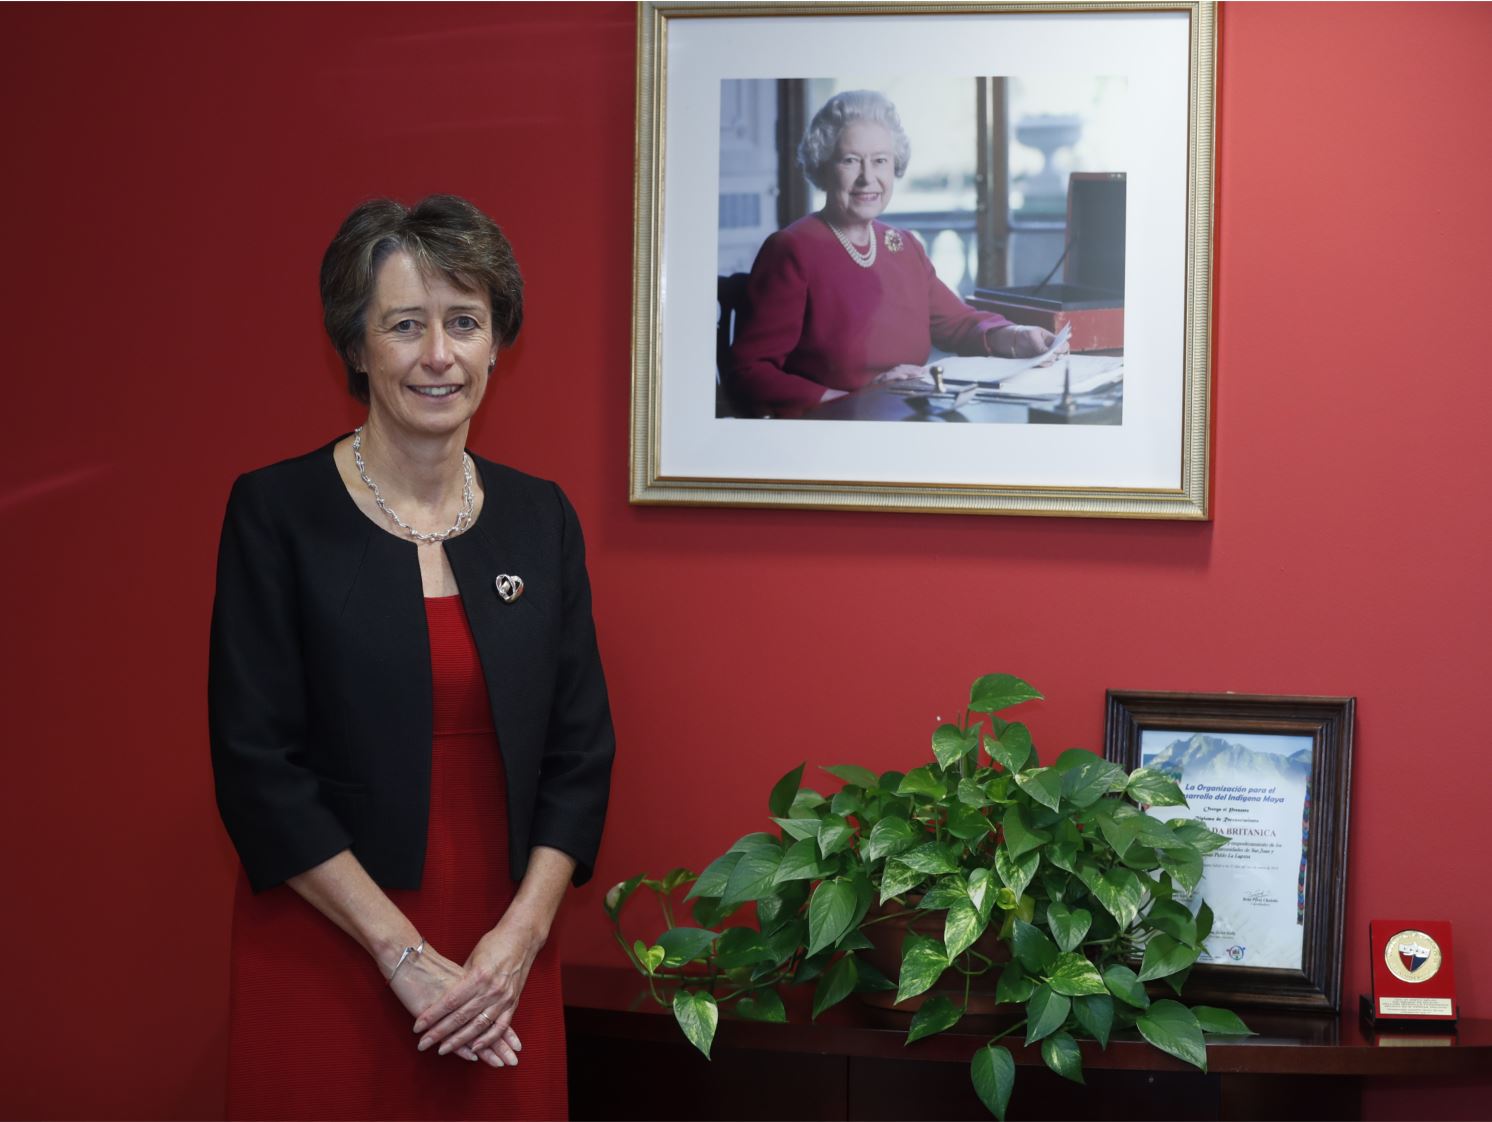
x: 1272, y: 775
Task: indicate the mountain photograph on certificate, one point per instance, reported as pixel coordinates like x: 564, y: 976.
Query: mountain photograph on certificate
x: 907, y: 247
x: 1256, y: 790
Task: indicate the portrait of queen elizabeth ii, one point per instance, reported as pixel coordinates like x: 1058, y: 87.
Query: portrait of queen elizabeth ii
x: 839, y: 300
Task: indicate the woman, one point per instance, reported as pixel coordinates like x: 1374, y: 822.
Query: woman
x: 410, y: 732
x: 838, y: 301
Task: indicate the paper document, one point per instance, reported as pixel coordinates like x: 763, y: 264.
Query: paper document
x: 1020, y: 376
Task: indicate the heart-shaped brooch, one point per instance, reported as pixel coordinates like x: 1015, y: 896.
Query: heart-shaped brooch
x: 509, y: 587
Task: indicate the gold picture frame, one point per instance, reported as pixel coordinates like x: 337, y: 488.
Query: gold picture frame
x: 1154, y: 463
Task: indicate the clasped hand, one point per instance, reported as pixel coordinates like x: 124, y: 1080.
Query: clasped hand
x: 469, y: 1009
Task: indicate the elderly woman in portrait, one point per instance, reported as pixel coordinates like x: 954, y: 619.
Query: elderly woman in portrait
x: 838, y: 300
x: 410, y: 732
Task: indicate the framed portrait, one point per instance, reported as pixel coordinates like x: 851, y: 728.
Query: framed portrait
x: 1272, y: 774
x: 928, y: 257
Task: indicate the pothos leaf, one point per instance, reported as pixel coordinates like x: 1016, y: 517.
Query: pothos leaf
x: 712, y: 881
x: 1075, y: 976
x: 1173, y: 1028
x: 1015, y: 985
x: 801, y: 862
x: 993, y: 1073
x: 753, y: 875
x: 1060, y: 1052
x: 619, y: 893
x: 1165, y: 956
x: 1012, y: 748
x: 685, y: 944
x: 1045, y: 1012
x: 1095, y: 1012
x: 993, y: 692
x: 923, y: 961
x: 1036, y: 952
x: 1118, y: 890
x: 1204, y: 922
x: 698, y: 1016
x: 962, y: 928
x: 1020, y: 838
x: 854, y: 775
x: 890, y: 836
x: 1220, y: 1022
x: 837, y: 983
x: 780, y: 801
x: 762, y: 1005
x: 1123, y: 984
x: 1016, y: 872
x: 831, y: 910
x: 898, y: 878
x: 923, y: 782
x: 1068, y: 925
x: 951, y: 743
x: 1197, y: 835
x: 1152, y: 787
x: 1185, y: 865
x: 937, y: 1013
x: 1042, y: 784
x: 835, y: 834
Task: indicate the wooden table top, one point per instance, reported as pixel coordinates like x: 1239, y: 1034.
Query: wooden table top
x: 612, y: 1001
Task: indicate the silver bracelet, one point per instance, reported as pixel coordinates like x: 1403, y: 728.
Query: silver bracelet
x: 404, y: 957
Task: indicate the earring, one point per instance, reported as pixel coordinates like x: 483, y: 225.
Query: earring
x: 492, y: 364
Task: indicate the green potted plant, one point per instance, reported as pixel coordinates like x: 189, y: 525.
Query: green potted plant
x: 1084, y: 894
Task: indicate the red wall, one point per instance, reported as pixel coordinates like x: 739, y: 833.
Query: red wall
x: 173, y: 175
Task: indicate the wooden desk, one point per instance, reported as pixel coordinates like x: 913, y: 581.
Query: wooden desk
x: 629, y: 1060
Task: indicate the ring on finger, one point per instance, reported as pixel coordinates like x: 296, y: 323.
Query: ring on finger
x: 486, y: 1020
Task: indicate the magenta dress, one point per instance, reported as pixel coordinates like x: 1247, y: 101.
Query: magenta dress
x: 315, y: 1032
x: 816, y: 320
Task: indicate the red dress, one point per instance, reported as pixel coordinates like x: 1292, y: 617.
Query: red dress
x: 314, y: 1030
x: 816, y: 320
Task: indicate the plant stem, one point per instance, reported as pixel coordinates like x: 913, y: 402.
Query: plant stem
x: 1007, y: 1031
x: 653, y: 989
x: 880, y: 918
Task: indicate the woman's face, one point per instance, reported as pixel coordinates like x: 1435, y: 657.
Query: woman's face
x: 428, y: 350
x: 862, y: 174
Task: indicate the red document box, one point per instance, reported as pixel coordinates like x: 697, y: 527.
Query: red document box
x: 1091, y: 293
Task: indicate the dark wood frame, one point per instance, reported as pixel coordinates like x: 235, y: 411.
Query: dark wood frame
x: 1328, y: 721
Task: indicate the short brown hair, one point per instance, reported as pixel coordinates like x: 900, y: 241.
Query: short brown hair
x: 446, y: 236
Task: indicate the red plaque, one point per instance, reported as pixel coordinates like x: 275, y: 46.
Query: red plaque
x: 1412, y: 977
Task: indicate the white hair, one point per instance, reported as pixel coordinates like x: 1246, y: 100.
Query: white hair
x: 816, y: 151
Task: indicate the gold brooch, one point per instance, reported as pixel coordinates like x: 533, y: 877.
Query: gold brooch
x: 893, y: 241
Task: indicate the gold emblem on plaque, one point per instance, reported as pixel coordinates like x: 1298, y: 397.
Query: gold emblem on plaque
x: 1412, y: 956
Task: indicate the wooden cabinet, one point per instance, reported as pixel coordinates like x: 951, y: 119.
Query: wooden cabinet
x: 629, y: 1060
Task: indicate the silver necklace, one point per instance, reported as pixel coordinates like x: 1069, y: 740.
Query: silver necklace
x: 866, y: 259
x: 463, y: 519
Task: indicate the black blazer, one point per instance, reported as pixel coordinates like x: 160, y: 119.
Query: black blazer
x: 320, y: 702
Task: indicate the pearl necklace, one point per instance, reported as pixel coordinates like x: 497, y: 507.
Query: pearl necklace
x: 864, y: 259
x: 463, y: 519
